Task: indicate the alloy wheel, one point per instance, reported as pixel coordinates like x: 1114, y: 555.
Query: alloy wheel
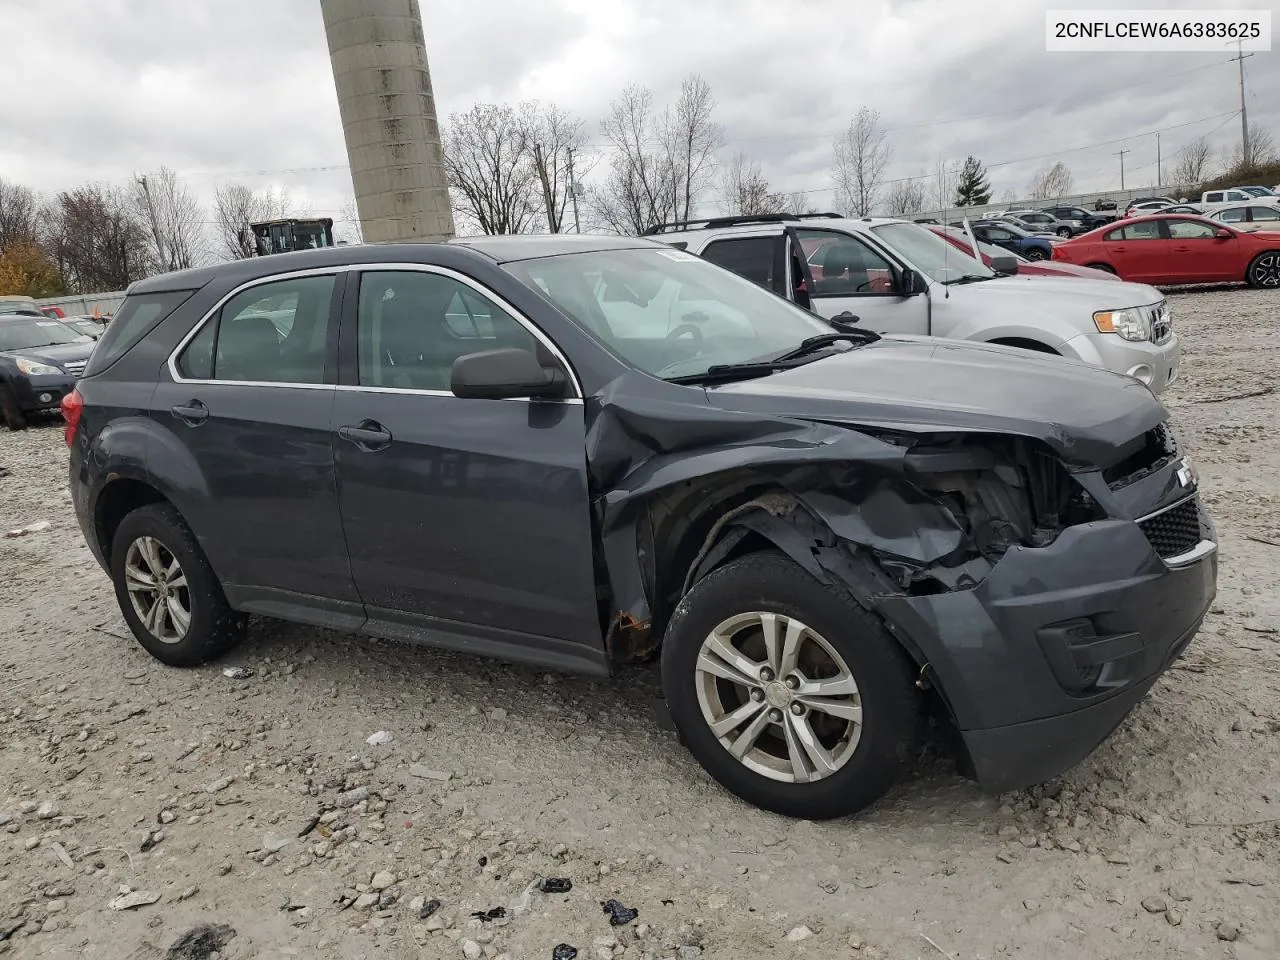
x: 157, y: 589
x: 778, y: 697
x: 1266, y: 270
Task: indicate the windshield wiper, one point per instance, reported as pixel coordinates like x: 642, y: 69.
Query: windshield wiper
x: 731, y: 371
x: 811, y: 344
x: 968, y: 278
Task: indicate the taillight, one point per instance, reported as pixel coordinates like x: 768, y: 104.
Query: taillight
x: 72, y: 406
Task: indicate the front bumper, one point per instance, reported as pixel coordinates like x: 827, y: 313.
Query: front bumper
x: 1155, y: 364
x: 42, y: 393
x: 1003, y: 654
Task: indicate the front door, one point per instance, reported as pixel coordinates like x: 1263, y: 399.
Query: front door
x: 250, y: 405
x: 851, y: 277
x: 1196, y: 252
x: 467, y: 521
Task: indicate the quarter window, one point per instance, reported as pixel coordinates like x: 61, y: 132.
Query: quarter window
x: 413, y: 325
x: 270, y: 333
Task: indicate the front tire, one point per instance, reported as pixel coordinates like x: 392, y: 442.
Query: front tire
x: 1264, y: 271
x: 790, y: 694
x: 13, y: 416
x: 1064, y: 232
x: 168, y: 593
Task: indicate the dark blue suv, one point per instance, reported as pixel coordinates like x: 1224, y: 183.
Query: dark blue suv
x: 579, y: 452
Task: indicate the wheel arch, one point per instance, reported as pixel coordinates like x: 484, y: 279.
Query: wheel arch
x: 1025, y: 343
x: 119, y: 498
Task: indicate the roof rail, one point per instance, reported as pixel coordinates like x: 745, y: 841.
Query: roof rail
x: 712, y: 222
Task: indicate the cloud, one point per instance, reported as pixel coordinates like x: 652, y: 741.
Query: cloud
x: 241, y: 89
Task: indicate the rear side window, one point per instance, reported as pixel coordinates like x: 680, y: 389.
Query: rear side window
x: 137, y: 316
x: 269, y: 333
x: 750, y: 257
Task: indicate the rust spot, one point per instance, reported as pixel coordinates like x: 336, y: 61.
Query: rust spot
x: 630, y: 639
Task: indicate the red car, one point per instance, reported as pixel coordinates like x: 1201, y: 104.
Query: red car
x: 1177, y: 248
x: 1026, y: 268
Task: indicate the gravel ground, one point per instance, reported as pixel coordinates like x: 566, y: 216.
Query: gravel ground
x: 138, y: 802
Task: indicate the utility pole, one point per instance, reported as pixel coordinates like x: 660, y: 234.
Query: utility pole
x: 573, y: 193
x: 155, y: 226
x: 1121, y: 154
x: 1245, y: 157
x: 1159, y: 169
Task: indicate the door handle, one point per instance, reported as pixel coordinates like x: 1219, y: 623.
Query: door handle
x: 193, y: 413
x: 369, y: 435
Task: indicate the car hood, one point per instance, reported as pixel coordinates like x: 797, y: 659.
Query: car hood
x: 1071, y: 294
x: 58, y: 354
x: 1059, y: 268
x: 929, y: 384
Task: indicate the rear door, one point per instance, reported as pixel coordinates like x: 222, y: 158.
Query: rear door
x: 467, y: 521
x: 758, y: 257
x: 1139, y: 251
x: 852, y: 277
x: 249, y: 401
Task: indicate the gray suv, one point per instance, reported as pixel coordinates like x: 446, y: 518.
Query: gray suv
x: 580, y: 452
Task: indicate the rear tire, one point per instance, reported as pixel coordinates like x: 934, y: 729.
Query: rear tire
x: 14, y: 418
x: 1064, y: 232
x: 168, y: 593
x: 1264, y: 271
x: 815, y: 755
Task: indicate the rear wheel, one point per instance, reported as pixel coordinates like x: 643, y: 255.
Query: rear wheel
x: 168, y: 593
x: 788, y: 692
x: 14, y: 418
x: 1264, y: 271
x: 1064, y: 232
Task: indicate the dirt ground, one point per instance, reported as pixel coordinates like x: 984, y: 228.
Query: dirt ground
x: 139, y: 802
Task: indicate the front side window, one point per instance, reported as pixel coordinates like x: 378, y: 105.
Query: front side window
x: 929, y: 253
x: 1264, y: 213
x: 844, y: 266
x: 1190, y: 230
x: 667, y: 312
x: 750, y: 257
x: 269, y: 333
x: 412, y: 326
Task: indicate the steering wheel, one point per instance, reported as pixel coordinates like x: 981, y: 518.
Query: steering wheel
x: 682, y: 330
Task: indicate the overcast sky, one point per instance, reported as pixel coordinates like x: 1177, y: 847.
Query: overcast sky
x: 241, y: 90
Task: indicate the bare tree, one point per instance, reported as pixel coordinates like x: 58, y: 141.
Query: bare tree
x: 660, y: 166
x: 861, y: 153
x: 945, y: 174
x: 1262, y: 152
x: 556, y: 140
x: 906, y: 197
x: 798, y: 202
x: 488, y: 158
x: 1008, y: 196
x: 19, y: 214
x: 97, y: 239
x: 236, y: 207
x: 1052, y: 182
x: 173, y: 217
x: 746, y: 191
x: 349, y: 216
x: 1191, y: 166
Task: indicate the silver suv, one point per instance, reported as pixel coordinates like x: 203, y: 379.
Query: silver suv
x: 896, y: 277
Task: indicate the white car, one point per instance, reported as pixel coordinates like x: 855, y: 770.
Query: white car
x: 1260, y: 214
x: 897, y: 277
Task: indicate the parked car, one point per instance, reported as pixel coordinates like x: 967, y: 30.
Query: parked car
x: 1103, y: 203
x: 87, y: 325
x: 1190, y: 208
x: 1081, y: 220
x: 813, y: 528
x: 14, y: 303
x: 1037, y: 221
x: 1011, y: 237
x: 1177, y: 248
x: 1259, y: 191
x: 998, y: 259
x: 896, y: 277
x: 1144, y: 205
x: 55, y: 313
x: 1250, y: 217
x: 1211, y: 199
x: 39, y: 362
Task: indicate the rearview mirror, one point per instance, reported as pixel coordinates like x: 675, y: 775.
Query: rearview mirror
x: 911, y: 283
x: 1004, y: 264
x: 505, y: 374
x: 1222, y: 233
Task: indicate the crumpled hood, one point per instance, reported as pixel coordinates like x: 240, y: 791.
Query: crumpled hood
x: 929, y: 384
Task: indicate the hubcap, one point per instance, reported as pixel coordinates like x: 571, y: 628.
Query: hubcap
x: 157, y: 589
x: 800, y: 724
x: 1266, y: 270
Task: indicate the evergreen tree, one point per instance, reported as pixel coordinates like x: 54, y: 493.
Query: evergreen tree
x: 973, y: 188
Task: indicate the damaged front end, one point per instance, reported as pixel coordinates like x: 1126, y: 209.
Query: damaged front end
x: 1024, y: 585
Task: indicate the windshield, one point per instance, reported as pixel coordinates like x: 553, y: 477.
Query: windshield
x: 26, y: 334
x: 929, y: 253
x: 667, y: 312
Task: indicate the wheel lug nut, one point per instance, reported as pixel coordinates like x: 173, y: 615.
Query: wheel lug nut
x: 792, y: 683
x: 775, y: 715
x: 766, y: 674
x: 798, y: 709
x: 757, y: 695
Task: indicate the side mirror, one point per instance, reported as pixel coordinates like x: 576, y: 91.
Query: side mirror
x: 911, y: 283
x: 1222, y: 233
x: 1004, y: 264
x: 503, y: 375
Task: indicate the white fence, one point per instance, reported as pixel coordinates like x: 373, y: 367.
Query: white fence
x: 83, y: 306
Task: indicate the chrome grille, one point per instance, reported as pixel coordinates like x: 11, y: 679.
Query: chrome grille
x: 75, y: 367
x: 1161, y: 323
